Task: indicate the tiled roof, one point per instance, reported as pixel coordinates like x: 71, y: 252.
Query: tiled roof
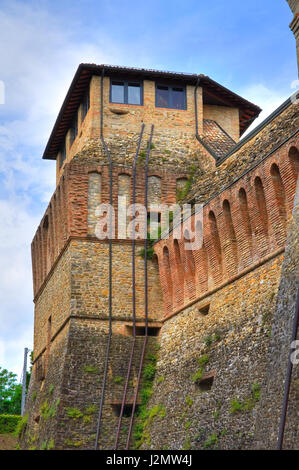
x: 216, y: 139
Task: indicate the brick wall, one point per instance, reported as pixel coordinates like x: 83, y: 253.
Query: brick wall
x: 227, y: 118
x: 242, y: 225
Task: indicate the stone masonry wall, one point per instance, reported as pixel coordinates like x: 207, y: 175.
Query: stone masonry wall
x: 229, y: 342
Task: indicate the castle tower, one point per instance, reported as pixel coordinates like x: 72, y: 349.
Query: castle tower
x: 79, y: 313
x: 294, y: 6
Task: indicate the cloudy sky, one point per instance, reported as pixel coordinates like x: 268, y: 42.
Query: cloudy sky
x: 246, y: 46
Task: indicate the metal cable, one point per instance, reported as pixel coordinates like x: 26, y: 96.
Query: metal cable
x: 145, y: 295
x: 110, y: 273
x: 134, y: 292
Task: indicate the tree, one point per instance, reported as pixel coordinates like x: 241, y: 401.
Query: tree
x: 10, y: 393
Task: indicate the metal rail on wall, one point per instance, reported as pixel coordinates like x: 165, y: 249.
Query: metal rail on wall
x: 134, y: 291
x: 288, y: 379
x: 110, y: 274
x: 145, y: 294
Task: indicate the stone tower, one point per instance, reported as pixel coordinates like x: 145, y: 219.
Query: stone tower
x: 294, y: 5
x: 93, y: 364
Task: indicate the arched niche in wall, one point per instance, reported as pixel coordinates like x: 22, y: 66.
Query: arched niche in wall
x: 94, y: 199
x: 232, y: 256
x: 280, y: 194
x: 181, y: 188
x: 294, y: 160
x: 261, y: 205
x: 168, y: 277
x: 124, y: 194
x: 245, y: 217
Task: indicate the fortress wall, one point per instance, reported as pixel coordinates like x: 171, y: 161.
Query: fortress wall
x: 234, y: 336
x: 242, y: 225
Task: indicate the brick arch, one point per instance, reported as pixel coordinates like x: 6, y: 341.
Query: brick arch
x: 124, y: 189
x: 280, y: 203
x: 261, y: 218
x: 247, y: 248
x: 202, y: 269
x: 46, y: 247
x: 230, y: 249
x: 168, y: 297
x: 179, y: 274
x: 214, y: 248
x: 293, y: 155
x: 94, y: 199
x: 189, y: 267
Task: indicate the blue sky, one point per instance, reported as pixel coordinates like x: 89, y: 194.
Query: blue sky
x: 246, y: 46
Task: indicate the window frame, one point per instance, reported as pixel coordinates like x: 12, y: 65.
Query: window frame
x: 126, y: 84
x: 170, y: 96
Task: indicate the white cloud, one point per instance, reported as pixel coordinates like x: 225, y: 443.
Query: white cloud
x: 266, y: 98
x: 39, y: 56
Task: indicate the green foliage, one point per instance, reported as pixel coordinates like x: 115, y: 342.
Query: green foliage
x: 250, y: 401
x: 188, y: 424
x: 198, y: 375
x: 51, y: 444
x: 90, y: 410
x: 187, y: 443
x: 118, y: 379
x: 160, y: 379
x: 216, y: 414
x: 217, y: 337
x: 211, y: 441
x: 149, y: 372
x: 74, y: 413
x: 90, y: 369
x: 208, y: 341
x: 144, y: 416
x: 51, y: 389
x: 43, y: 445
x: 47, y: 411
x: 33, y: 396
x: 236, y: 405
x: 9, y: 423
x: 203, y: 360
x: 10, y: 393
x: 189, y: 401
x: 182, y: 193
x: 22, y: 425
x: 256, y: 391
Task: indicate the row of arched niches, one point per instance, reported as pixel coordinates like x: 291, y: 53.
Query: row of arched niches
x: 243, y: 226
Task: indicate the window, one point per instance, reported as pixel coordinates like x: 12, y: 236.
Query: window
x: 85, y: 104
x: 124, y: 92
x: 170, y: 97
x: 74, y: 129
x: 62, y: 155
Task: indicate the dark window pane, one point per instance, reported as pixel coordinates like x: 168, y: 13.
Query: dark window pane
x: 162, y: 96
x: 134, y: 95
x: 117, y: 92
x: 178, y: 98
